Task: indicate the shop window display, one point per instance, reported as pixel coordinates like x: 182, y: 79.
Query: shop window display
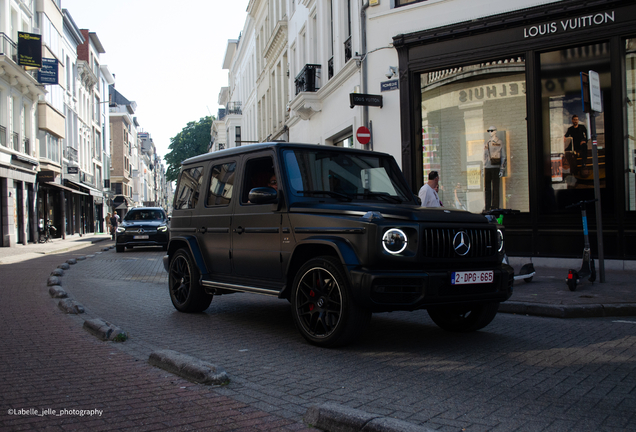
x: 474, y: 134
x: 630, y: 113
x: 567, y: 144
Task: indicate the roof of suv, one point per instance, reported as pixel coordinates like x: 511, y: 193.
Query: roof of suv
x: 261, y: 146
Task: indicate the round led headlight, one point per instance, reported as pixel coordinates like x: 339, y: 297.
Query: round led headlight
x: 394, y: 241
x: 500, y: 240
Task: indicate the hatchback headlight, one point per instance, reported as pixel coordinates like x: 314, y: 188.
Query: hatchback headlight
x: 162, y: 228
x: 394, y: 241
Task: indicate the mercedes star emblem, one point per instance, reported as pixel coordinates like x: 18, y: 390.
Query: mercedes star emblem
x: 461, y: 243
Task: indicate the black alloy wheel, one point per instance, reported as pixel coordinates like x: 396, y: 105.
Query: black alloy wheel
x: 186, y: 292
x: 464, y: 318
x: 321, y: 305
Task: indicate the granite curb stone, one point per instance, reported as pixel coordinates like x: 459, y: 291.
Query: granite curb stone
x: 188, y: 367
x: 53, y: 280
x: 56, y: 291
x: 64, y: 266
x: 57, y: 272
x: 104, y: 330
x: 568, y: 311
x: 337, y: 418
x: 70, y: 306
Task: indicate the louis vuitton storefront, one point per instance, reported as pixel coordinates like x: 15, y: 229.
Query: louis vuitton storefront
x: 512, y: 82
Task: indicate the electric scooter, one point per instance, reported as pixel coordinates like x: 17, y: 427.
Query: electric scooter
x: 527, y: 270
x: 587, y: 265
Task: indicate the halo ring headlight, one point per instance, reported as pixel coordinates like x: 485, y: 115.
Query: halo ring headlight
x: 394, y: 241
x: 500, y: 240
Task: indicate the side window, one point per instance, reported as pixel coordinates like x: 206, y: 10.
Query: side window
x: 187, y: 194
x: 258, y: 173
x: 221, y: 184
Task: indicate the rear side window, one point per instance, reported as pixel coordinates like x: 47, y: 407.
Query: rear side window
x: 187, y: 194
x: 221, y: 184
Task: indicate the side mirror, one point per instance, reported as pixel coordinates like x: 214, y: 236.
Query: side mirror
x: 263, y: 195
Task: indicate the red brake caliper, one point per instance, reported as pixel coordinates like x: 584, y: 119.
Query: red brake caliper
x: 311, y: 294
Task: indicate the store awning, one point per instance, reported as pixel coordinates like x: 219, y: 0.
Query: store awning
x: 92, y: 191
x: 65, y: 188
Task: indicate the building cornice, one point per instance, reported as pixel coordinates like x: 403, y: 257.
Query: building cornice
x: 277, y: 42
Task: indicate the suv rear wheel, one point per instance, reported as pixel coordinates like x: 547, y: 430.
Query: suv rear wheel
x: 322, y: 307
x: 464, y: 318
x: 186, y: 292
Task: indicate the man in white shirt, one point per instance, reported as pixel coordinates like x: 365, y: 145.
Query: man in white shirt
x: 427, y: 193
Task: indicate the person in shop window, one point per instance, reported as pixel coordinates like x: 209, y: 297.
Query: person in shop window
x: 494, y: 168
x: 427, y: 193
x: 576, y: 139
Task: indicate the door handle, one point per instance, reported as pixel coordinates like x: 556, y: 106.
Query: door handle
x: 239, y: 230
x: 203, y: 230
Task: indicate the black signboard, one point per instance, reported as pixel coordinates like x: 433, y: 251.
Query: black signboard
x: 29, y: 49
x: 48, y: 73
x: 365, y: 100
x: 72, y: 170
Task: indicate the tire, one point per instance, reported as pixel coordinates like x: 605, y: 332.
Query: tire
x: 119, y: 248
x: 186, y: 292
x: 322, y: 307
x: 572, y: 282
x: 592, y: 277
x: 464, y: 318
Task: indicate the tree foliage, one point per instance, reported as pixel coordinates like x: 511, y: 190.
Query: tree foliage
x: 193, y: 140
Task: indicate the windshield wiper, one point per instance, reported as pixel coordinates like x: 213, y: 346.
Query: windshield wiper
x: 341, y: 196
x: 384, y: 195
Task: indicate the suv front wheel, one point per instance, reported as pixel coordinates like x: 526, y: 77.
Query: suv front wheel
x: 186, y: 292
x: 321, y: 304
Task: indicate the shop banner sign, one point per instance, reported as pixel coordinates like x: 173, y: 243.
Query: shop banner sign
x: 29, y: 50
x: 48, y: 74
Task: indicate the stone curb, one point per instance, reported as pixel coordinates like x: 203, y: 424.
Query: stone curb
x: 337, y: 418
x: 104, y: 330
x: 188, y: 367
x: 569, y: 311
x: 70, y: 306
x: 57, y: 291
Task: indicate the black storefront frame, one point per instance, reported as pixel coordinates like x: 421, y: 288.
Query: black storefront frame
x: 499, y: 37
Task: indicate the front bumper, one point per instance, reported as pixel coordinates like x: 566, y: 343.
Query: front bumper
x: 383, y: 291
x: 155, y: 239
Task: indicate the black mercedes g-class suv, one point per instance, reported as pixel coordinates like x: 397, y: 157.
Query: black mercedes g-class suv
x: 335, y: 231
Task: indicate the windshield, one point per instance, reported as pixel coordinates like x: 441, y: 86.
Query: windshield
x: 345, y: 176
x: 144, y: 215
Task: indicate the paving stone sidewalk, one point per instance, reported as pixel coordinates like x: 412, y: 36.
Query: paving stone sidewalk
x: 56, y: 376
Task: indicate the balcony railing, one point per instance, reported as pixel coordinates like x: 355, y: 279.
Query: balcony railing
x: 330, y: 68
x: 3, y: 136
x: 234, y: 108
x: 8, y: 47
x: 347, y: 49
x: 16, y: 141
x: 308, y: 80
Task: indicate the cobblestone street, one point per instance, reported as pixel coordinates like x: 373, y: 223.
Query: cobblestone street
x: 520, y: 373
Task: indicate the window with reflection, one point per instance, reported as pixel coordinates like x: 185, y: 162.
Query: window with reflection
x: 474, y: 134
x: 568, y: 174
x: 630, y: 114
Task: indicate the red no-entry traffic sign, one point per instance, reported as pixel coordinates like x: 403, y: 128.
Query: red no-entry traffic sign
x: 363, y: 135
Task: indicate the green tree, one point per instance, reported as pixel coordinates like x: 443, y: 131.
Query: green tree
x: 193, y: 140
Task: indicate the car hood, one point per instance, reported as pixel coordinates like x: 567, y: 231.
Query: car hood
x: 403, y: 212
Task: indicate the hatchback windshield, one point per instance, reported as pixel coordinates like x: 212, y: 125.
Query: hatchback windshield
x: 344, y: 176
x: 144, y: 215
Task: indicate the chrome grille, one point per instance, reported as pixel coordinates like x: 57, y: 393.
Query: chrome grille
x: 438, y: 242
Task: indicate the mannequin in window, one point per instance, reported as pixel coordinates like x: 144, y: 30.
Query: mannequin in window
x: 494, y: 168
